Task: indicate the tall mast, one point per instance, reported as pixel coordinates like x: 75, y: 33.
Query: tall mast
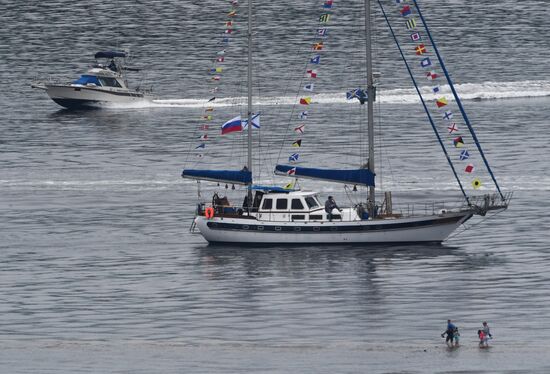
x: 370, y: 101
x: 249, y: 106
x: 249, y: 34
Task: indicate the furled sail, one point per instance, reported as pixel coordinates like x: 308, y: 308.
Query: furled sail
x: 353, y: 176
x: 225, y: 176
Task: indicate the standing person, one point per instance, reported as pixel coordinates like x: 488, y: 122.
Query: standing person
x: 450, y: 331
x: 486, y: 334
x: 456, y: 336
x: 330, y: 204
x: 481, y: 336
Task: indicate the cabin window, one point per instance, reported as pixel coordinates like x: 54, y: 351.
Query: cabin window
x: 297, y: 204
x: 282, y: 204
x: 298, y: 217
x: 311, y: 202
x: 87, y: 79
x: 109, y: 82
x: 315, y: 216
x: 268, y: 204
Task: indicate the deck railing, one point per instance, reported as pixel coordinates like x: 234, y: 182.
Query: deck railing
x: 478, y: 205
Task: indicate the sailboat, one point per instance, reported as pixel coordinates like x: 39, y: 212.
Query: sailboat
x: 277, y: 215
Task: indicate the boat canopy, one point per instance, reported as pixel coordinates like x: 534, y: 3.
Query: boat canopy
x: 226, y: 176
x: 354, y: 176
x: 87, y: 79
x: 110, y: 54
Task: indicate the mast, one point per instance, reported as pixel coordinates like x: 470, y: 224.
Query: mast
x: 249, y: 106
x: 370, y: 103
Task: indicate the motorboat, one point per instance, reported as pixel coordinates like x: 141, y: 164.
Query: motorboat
x: 104, y: 84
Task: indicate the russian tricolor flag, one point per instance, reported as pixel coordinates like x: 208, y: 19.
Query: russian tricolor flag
x: 235, y: 124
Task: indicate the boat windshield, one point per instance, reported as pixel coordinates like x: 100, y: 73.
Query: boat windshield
x: 87, y: 79
x: 311, y: 202
x: 109, y: 82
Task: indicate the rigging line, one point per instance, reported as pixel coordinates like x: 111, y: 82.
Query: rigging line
x: 424, y: 103
x: 458, y: 101
x: 266, y: 155
x: 211, y: 62
x: 301, y: 82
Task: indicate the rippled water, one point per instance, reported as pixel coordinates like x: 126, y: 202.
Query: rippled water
x: 99, y: 272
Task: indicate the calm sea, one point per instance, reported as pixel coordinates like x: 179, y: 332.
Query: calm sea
x: 100, y: 274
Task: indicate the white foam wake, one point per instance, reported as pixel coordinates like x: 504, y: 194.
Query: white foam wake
x: 466, y: 91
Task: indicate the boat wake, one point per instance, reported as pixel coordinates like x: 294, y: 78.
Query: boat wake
x: 467, y: 91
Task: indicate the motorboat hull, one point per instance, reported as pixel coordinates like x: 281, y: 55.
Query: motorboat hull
x: 433, y: 228
x: 79, y: 97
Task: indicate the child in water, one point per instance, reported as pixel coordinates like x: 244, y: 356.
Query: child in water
x: 482, y: 338
x: 456, y: 336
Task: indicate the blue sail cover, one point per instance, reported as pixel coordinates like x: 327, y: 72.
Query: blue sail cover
x: 356, y: 176
x: 110, y: 54
x: 257, y: 187
x: 225, y: 176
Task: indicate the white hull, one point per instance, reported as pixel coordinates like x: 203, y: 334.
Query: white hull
x: 74, y: 96
x: 435, y: 228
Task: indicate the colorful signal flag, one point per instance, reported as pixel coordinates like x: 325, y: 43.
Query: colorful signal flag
x: 452, y: 128
x: 458, y: 142
x: 411, y: 24
x: 420, y: 49
x: 324, y: 18
x: 406, y: 11
x: 441, y: 102
x: 415, y: 37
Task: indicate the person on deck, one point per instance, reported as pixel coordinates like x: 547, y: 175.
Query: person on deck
x: 450, y: 331
x: 112, y: 66
x: 330, y: 204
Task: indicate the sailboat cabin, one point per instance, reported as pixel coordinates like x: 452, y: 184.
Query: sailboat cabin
x: 293, y: 206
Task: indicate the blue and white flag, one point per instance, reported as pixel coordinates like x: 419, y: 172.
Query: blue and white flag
x: 255, y: 121
x: 315, y: 60
x: 294, y: 157
x: 201, y: 146
x: 358, y: 93
x: 464, y: 155
x: 303, y: 115
x: 436, y: 89
x: 426, y: 62
x: 322, y: 31
x: 309, y: 87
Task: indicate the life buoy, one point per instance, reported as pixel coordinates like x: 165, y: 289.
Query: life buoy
x: 209, y: 212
